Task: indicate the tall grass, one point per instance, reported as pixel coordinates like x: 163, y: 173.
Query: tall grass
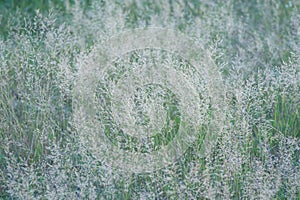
x: 255, y: 152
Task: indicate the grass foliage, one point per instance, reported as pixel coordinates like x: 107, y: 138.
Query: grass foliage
x: 256, y: 47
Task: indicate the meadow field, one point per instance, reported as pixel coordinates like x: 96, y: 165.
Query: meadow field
x: 150, y: 99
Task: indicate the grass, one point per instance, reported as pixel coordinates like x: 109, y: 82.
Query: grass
x: 43, y: 149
